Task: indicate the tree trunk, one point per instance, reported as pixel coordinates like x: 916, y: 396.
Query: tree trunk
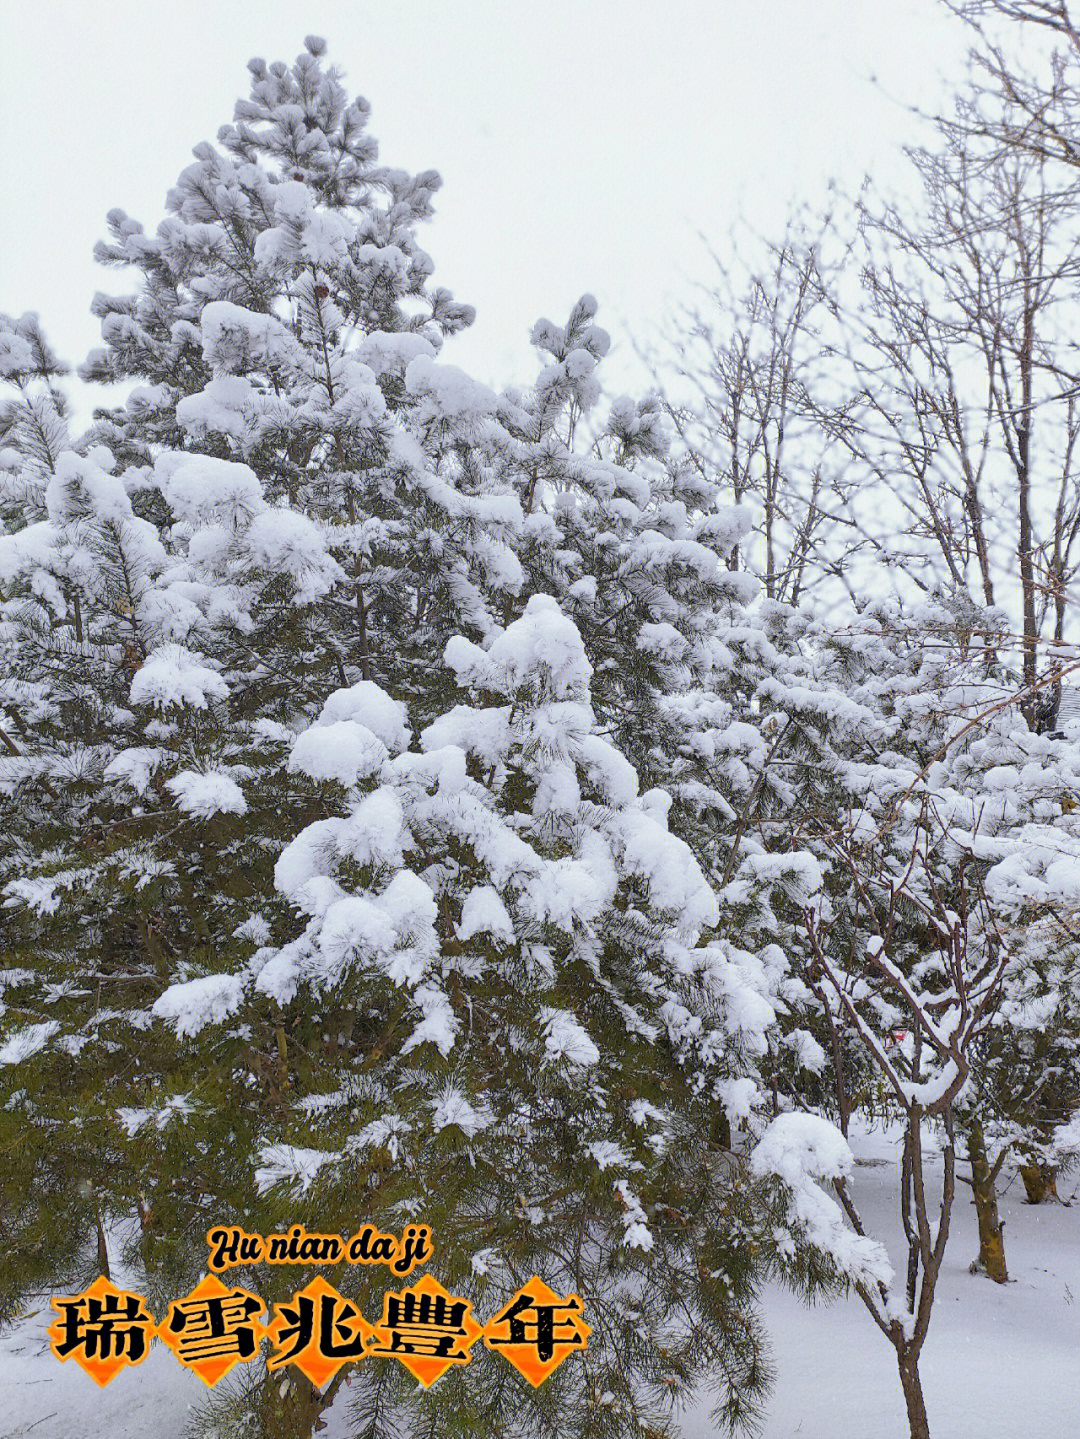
x: 290, y: 1407
x: 1040, y: 1183
x: 102, y: 1249
x: 722, y: 1129
x: 913, y: 1395
x: 991, y: 1258
x: 836, y: 1041
x: 1025, y: 548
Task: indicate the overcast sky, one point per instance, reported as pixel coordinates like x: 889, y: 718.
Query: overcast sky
x: 583, y: 144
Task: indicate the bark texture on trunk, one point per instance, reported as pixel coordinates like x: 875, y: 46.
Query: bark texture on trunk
x: 913, y: 1395
x: 991, y: 1258
x: 1040, y: 1183
x: 102, y: 1249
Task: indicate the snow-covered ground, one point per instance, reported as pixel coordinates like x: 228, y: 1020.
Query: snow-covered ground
x: 1000, y: 1363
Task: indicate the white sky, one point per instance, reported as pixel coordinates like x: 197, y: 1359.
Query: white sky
x: 583, y: 144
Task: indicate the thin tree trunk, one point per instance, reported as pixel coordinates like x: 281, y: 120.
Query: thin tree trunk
x: 843, y: 1099
x: 913, y: 1395
x: 722, y: 1129
x: 102, y: 1249
x: 361, y: 617
x: 1025, y: 553
x: 991, y: 1258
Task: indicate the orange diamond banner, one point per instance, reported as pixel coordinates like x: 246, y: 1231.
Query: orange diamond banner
x: 428, y: 1329
x: 104, y: 1329
x: 537, y: 1330
x: 318, y: 1330
x: 213, y: 1328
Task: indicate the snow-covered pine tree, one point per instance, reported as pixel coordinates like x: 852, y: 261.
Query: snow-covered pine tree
x: 199, y: 608
x: 953, y: 709
x: 285, y: 319
x: 510, y: 1017
x: 701, y: 684
x: 335, y: 401
x: 322, y: 504
x: 636, y: 543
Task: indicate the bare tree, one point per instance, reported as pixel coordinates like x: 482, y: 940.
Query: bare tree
x: 911, y: 940
x: 965, y: 374
x: 1037, y: 81
x: 747, y: 401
